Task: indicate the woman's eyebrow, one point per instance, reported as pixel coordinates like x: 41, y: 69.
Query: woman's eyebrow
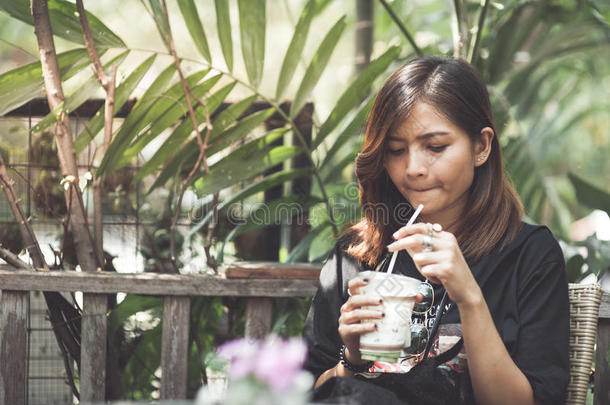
x: 418, y: 137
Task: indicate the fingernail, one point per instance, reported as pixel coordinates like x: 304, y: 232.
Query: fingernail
x: 366, y: 280
x: 391, y: 246
x: 375, y: 326
x: 395, y: 235
x: 383, y: 314
x: 380, y: 300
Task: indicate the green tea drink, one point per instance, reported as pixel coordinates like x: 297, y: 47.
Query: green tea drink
x: 393, y: 331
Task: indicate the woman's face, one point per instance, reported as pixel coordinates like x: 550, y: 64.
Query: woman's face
x: 431, y: 161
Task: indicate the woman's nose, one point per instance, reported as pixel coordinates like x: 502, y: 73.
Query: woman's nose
x: 416, y: 165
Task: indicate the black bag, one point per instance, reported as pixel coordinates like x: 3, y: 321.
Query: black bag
x: 424, y: 384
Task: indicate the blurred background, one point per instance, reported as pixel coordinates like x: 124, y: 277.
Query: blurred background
x: 288, y: 85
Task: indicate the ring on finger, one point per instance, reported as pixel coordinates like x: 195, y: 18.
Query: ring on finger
x: 437, y: 228
x: 426, y: 243
x: 430, y: 229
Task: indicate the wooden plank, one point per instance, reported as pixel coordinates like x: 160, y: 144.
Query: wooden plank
x: 93, y: 348
x: 13, y: 351
x: 153, y: 284
x: 258, y: 317
x: 604, y: 307
x: 174, y: 350
x: 602, y: 370
x: 299, y: 271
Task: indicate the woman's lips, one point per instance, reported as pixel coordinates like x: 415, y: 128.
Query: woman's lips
x: 419, y: 190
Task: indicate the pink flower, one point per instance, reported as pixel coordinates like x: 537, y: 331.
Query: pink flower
x: 274, y: 362
x: 242, y: 354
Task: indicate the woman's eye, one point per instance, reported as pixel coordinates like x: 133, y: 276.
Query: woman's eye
x: 397, y: 151
x: 437, y: 149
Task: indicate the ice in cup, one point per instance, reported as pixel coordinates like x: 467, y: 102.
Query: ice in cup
x: 394, y: 330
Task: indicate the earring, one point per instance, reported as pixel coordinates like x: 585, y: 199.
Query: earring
x: 481, y: 158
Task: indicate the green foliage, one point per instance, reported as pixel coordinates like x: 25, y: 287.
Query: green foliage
x: 191, y: 18
x: 252, y: 25
x: 539, y: 58
x: 65, y: 23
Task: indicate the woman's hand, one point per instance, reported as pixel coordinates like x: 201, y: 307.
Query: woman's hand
x: 438, y: 258
x: 356, y: 320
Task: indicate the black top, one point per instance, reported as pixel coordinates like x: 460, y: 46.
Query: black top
x: 525, y: 287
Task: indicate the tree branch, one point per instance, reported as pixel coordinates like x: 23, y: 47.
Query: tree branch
x: 474, y: 49
x: 27, y: 234
x: 13, y: 259
x: 108, y: 82
x: 202, y: 143
x: 85, y: 251
x: 401, y: 27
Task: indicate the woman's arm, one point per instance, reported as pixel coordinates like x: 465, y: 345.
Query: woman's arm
x: 495, y: 377
x: 337, y: 371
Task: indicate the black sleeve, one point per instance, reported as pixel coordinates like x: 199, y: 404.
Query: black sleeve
x: 321, y: 326
x: 543, y: 349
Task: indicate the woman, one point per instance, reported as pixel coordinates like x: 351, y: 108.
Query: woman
x: 431, y: 140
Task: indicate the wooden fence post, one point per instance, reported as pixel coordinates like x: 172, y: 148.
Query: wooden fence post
x: 174, y: 346
x: 93, y: 348
x: 13, y: 342
x: 258, y: 317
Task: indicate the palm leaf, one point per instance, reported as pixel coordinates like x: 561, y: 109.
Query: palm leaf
x: 355, y: 93
x: 295, y: 49
x: 85, y: 91
x: 160, y: 19
x: 351, y: 131
x: 65, y: 23
x: 265, y: 183
x: 182, y: 132
x: 122, y: 93
x: 168, y: 118
x: 252, y: 24
x: 223, y: 24
x: 249, y: 160
x: 18, y: 86
x: 590, y: 194
x: 270, y: 213
x: 187, y: 156
x: 300, y: 252
x: 193, y: 23
x: 317, y: 66
x: 143, y: 115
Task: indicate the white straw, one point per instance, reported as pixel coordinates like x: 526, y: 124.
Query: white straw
x: 411, y: 220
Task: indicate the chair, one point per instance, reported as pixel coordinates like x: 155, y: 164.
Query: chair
x: 584, y: 309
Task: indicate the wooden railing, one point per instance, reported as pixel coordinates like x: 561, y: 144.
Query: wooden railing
x: 297, y: 280
x: 258, y: 283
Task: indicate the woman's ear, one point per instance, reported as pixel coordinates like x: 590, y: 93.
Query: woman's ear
x: 482, y: 148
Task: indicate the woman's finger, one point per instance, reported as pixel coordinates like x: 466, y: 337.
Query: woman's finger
x: 433, y: 272
x: 425, y: 258
x: 356, y: 328
x: 353, y: 286
x: 421, y: 227
x: 359, y: 315
x: 356, y: 301
x: 412, y: 243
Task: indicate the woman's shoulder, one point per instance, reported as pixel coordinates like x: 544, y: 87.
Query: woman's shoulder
x: 339, y: 266
x: 533, y: 250
x: 538, y: 239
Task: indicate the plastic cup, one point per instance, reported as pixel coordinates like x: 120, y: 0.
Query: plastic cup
x: 393, y: 331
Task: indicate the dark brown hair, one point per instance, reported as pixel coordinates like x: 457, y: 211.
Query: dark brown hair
x: 458, y: 92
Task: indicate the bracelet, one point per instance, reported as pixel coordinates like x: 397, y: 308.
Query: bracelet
x: 360, y: 368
